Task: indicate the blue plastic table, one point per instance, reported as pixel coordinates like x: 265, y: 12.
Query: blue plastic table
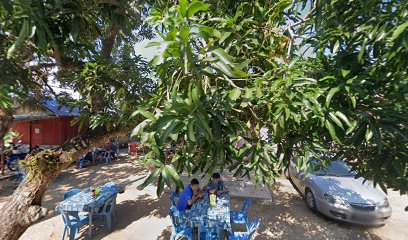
x: 84, y: 202
x: 202, y: 214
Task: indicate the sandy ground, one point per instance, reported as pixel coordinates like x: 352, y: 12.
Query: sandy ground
x: 141, y: 215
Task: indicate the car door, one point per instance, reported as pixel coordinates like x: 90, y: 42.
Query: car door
x: 298, y: 174
x: 293, y: 172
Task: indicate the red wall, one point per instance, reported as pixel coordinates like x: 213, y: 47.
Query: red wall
x: 54, y: 131
x: 23, y: 128
x: 51, y: 131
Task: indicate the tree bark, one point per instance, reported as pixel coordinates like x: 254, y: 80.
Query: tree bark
x: 23, y: 208
x: 6, y: 119
x: 108, y: 42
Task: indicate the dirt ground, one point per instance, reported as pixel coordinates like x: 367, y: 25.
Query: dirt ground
x: 143, y: 216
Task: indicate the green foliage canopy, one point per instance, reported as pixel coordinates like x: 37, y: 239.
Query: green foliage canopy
x: 227, y: 70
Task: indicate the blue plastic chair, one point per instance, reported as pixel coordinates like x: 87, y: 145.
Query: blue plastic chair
x: 71, y: 193
x: 116, y: 187
x: 245, y: 235
x: 82, y: 161
x: 73, y: 221
x: 173, y: 197
x: 179, y: 229
x: 107, y: 211
x: 111, y: 185
x: 242, y: 216
x: 209, y: 233
x: 106, y: 156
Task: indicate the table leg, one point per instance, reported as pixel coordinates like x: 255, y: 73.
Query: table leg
x: 90, y: 225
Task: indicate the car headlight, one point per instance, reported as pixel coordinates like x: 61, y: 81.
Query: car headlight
x: 384, y: 203
x: 333, y: 199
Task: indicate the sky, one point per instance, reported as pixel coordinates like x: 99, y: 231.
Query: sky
x: 147, y: 53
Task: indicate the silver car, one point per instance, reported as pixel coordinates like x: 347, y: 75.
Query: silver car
x: 335, y: 192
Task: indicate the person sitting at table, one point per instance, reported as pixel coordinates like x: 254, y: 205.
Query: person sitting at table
x: 113, y: 147
x: 217, y: 184
x: 189, y: 196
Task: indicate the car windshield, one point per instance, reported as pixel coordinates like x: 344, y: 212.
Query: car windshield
x: 336, y: 168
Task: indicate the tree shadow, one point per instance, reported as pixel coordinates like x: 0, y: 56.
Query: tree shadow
x: 166, y: 234
x: 287, y: 217
x: 130, y: 211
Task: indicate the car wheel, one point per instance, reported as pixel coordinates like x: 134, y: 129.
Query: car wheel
x: 310, y: 200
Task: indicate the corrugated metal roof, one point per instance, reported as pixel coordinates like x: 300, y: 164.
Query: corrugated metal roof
x: 59, y: 110
x: 53, y: 109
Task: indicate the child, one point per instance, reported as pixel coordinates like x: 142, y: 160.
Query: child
x: 217, y: 184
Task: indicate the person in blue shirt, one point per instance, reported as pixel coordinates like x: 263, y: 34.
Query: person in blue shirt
x: 189, y: 196
x: 217, y: 184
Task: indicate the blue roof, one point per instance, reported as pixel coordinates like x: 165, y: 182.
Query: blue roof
x: 59, y: 110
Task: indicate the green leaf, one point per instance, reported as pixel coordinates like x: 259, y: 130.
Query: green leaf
x: 359, y: 135
x: 150, y: 178
x: 196, y: 7
x: 377, y: 136
x: 332, y: 131
x: 147, y: 114
x: 336, y: 46
x: 224, y: 68
x: 176, y: 178
x: 228, y: 59
x: 336, y: 120
x: 343, y: 117
x: 234, y: 94
x: 182, y: 9
x: 398, y: 31
x: 139, y: 128
x: 330, y: 95
x: 166, y: 177
x: 191, y: 134
x: 362, y: 51
x: 175, y: 125
x: 353, y: 101
x: 160, y: 185
x: 344, y: 72
x: 184, y: 34
x: 20, y: 39
x: 368, y: 135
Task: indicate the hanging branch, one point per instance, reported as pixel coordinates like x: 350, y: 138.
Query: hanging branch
x: 292, y: 33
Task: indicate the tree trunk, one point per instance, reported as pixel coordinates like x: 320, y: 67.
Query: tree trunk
x: 23, y: 208
x: 6, y: 119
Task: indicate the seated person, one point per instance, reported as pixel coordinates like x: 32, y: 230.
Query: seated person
x: 189, y: 196
x: 217, y: 184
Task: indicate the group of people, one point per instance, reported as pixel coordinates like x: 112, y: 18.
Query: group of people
x: 192, y: 193
x: 95, y: 155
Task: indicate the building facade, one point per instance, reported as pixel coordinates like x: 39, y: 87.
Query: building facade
x: 46, y: 124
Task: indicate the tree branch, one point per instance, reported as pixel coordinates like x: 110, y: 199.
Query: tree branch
x: 108, y: 42
x: 292, y: 33
x: 306, y: 17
